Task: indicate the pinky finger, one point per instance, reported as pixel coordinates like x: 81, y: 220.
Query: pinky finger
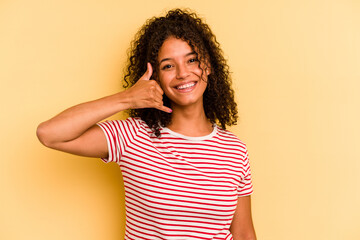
x: 165, y: 109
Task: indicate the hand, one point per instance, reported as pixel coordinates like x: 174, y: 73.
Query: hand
x: 147, y: 93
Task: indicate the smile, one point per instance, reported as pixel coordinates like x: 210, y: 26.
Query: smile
x: 187, y: 86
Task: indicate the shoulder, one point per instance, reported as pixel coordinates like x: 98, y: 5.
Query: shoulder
x: 130, y: 124
x: 136, y: 122
x: 228, y: 138
x: 226, y: 135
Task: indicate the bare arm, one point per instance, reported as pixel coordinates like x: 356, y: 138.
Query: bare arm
x: 242, y: 227
x: 75, y: 131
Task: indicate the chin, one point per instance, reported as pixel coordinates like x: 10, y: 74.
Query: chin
x: 186, y: 103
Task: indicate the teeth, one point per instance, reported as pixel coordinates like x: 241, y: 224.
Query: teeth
x: 186, y: 86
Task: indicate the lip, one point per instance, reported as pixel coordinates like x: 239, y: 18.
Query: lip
x: 188, y: 89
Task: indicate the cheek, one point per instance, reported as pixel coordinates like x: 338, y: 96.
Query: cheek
x: 165, y: 79
x: 199, y: 72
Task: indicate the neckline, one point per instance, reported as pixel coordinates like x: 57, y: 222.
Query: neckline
x: 206, y: 137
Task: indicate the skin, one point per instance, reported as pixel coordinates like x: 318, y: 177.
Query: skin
x: 242, y: 227
x: 179, y: 66
x: 75, y: 131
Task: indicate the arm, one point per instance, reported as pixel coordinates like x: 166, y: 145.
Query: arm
x: 75, y: 131
x: 242, y: 226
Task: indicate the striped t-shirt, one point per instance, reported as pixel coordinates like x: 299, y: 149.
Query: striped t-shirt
x: 178, y: 187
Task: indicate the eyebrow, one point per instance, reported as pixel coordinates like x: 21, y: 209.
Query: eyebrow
x: 166, y: 59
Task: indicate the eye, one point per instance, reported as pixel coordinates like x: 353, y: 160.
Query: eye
x: 167, y: 66
x: 193, y: 60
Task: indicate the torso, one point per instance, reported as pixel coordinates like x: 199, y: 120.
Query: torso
x: 181, y: 187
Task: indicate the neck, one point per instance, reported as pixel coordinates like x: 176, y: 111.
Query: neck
x: 190, y: 121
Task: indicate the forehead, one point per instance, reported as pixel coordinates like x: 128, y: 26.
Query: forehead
x: 174, y: 48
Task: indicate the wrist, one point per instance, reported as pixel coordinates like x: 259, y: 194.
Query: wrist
x: 123, y: 100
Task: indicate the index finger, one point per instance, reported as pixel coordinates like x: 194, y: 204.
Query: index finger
x: 158, y: 88
x: 165, y: 109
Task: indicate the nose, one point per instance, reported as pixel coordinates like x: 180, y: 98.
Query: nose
x: 182, y: 71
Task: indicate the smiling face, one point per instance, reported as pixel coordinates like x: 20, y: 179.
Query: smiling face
x: 180, y: 74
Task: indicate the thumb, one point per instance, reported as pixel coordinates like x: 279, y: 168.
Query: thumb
x: 148, y: 73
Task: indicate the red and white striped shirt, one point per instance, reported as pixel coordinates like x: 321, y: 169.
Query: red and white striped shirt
x: 178, y: 187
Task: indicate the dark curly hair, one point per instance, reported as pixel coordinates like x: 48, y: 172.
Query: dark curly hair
x: 218, y: 98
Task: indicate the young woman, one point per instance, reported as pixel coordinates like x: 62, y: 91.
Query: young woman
x: 185, y: 176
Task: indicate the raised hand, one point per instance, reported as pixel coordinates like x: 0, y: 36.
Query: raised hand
x: 147, y: 93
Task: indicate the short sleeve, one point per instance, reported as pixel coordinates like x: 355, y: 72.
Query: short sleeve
x: 119, y: 136
x: 245, y: 186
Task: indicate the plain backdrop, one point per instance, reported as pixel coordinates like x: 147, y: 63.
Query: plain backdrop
x: 296, y: 72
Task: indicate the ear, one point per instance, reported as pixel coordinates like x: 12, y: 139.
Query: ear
x: 208, y: 69
x: 207, y: 66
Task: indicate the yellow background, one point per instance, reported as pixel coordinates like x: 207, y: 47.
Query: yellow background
x: 296, y: 71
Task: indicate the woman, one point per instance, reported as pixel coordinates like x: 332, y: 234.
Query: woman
x: 185, y: 177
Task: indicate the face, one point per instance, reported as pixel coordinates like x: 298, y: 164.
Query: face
x: 180, y: 76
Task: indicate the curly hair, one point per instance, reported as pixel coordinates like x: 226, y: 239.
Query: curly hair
x: 218, y: 98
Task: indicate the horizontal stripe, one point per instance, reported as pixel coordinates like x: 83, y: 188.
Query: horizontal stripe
x: 178, y: 187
